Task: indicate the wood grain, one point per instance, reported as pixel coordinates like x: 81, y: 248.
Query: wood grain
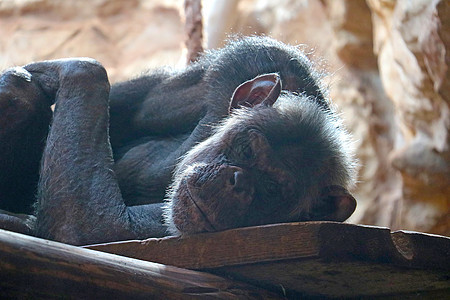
x: 312, y: 259
x: 325, y: 240
x: 37, y: 268
x: 231, y: 247
x: 293, y: 260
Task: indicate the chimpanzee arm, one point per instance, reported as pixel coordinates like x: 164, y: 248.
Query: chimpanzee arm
x: 163, y: 103
x: 79, y: 200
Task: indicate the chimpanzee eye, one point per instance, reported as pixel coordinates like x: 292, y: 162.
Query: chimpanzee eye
x: 271, y: 188
x: 247, y: 152
x: 241, y: 152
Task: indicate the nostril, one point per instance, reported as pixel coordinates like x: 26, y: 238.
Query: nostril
x: 232, y: 179
x: 238, y: 179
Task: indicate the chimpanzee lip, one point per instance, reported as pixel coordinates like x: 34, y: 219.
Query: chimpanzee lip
x: 192, y: 198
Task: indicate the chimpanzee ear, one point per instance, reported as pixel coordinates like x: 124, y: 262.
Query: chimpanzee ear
x: 336, y: 204
x: 264, y: 89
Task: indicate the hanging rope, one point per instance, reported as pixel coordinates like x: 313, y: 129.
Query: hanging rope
x: 193, y: 29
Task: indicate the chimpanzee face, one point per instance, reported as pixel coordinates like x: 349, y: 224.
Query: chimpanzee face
x: 244, y: 174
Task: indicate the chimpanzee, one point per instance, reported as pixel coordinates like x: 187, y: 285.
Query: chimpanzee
x: 244, y: 136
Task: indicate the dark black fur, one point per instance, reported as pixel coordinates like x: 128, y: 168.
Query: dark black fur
x: 102, y: 185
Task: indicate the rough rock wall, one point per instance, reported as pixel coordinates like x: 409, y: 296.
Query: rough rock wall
x: 412, y: 42
x: 368, y: 111
x: 127, y: 37
x: 387, y: 61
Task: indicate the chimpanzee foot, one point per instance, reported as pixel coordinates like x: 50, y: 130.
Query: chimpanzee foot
x: 32, y: 88
x: 20, y: 98
x: 51, y: 74
x: 25, y: 116
x: 20, y: 223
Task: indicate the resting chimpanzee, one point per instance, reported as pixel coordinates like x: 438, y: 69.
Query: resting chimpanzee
x: 245, y: 136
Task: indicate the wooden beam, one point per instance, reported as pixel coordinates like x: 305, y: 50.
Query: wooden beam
x: 231, y: 247
x: 326, y: 240
x: 318, y: 259
x: 37, y: 268
x: 313, y: 259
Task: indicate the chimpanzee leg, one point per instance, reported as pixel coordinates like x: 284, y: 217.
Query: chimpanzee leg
x: 79, y: 200
x: 24, y: 120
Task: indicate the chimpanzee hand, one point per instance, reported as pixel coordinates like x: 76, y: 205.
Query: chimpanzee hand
x: 25, y: 115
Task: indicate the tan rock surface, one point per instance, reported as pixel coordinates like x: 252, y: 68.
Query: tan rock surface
x: 412, y: 45
x: 127, y: 37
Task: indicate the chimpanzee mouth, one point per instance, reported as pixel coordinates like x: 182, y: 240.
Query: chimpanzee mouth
x: 209, y: 225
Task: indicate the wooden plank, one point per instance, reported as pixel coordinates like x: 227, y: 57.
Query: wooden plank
x: 36, y: 268
x: 313, y: 259
x: 231, y: 247
x: 339, y: 241
x: 325, y: 240
x: 346, y: 279
x: 420, y: 250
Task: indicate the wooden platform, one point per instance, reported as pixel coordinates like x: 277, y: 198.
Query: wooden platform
x: 294, y: 260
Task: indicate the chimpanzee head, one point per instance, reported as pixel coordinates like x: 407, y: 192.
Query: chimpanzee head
x: 278, y: 157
